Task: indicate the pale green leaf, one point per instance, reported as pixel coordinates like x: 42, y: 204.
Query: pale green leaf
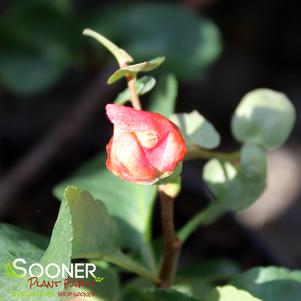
x: 264, y: 117
x: 121, y: 56
x: 143, y: 85
x: 234, y: 187
x: 230, y: 293
x: 133, y: 70
x: 237, y: 188
x: 196, y: 130
x: 271, y: 283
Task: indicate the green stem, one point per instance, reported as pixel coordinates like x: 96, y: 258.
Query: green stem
x: 205, y: 216
x: 197, y: 152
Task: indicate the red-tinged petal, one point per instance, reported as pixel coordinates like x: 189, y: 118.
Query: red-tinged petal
x: 129, y: 160
x: 131, y: 120
x: 114, y: 167
x: 168, y: 153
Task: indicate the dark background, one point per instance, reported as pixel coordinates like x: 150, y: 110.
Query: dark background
x: 47, y: 132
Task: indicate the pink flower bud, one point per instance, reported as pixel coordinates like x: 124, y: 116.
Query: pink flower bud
x: 145, y: 146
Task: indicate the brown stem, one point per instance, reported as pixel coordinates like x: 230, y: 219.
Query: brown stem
x: 172, y: 244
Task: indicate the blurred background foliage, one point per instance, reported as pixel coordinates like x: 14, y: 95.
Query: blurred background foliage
x: 218, y: 50
x: 41, y: 40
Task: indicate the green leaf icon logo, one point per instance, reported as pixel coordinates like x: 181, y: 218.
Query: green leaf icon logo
x: 9, y: 271
x: 98, y: 279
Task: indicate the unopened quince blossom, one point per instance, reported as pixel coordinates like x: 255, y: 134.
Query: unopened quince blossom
x: 145, y: 146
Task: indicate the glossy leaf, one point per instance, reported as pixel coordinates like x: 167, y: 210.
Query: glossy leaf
x: 133, y: 70
x: 143, y: 85
x: 264, y: 117
x: 196, y: 130
x: 271, y: 283
x: 159, y: 29
x: 230, y: 293
x: 163, y: 99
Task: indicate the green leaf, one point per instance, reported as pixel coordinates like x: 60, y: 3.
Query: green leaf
x: 21, y: 243
x: 29, y: 73
x: 143, y: 85
x: 212, y: 270
x: 264, y: 117
x: 237, y: 188
x: 121, y: 56
x: 157, y: 295
x: 63, y: 5
x: 134, y: 290
x: 95, y: 232
x: 196, y: 130
x: 193, y: 287
x: 18, y: 243
x: 271, y: 283
x: 107, y: 284
x: 131, y: 204
x: 230, y: 293
x: 160, y: 28
x: 199, y: 279
x: 163, y: 99
x: 109, y: 289
x: 86, y: 230
x: 133, y: 70
x: 174, y: 178
x: 234, y: 187
x: 168, y: 295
